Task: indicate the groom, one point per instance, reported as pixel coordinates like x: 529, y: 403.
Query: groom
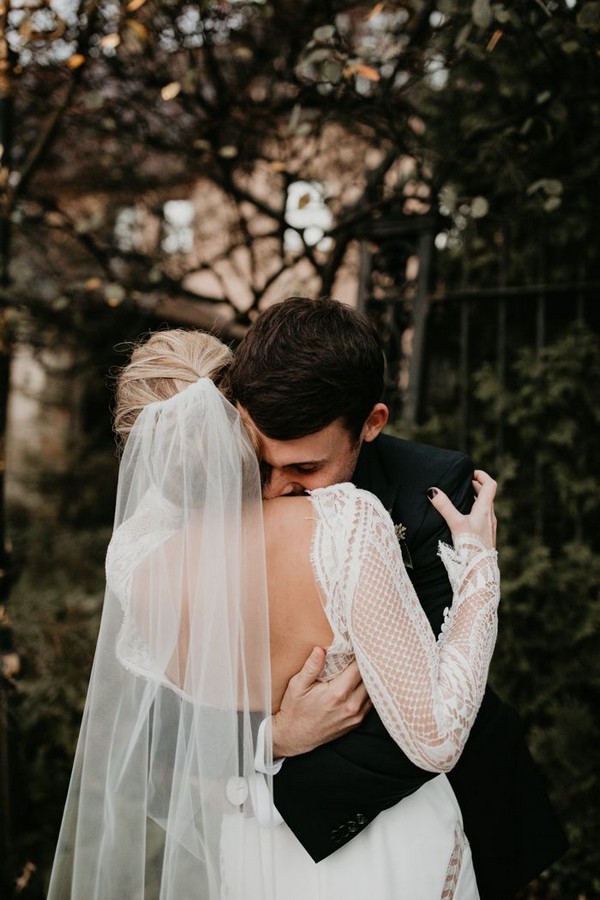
x: 309, y: 376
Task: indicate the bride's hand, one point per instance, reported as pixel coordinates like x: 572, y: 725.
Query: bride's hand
x: 481, y: 521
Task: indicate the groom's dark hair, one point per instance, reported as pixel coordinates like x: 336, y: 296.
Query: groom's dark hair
x: 305, y: 363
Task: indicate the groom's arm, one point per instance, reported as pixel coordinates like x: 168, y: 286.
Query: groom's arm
x: 314, y: 712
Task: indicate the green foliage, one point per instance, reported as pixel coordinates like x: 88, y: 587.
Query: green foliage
x: 55, y: 610
x: 547, y: 657
x: 481, y: 111
x: 546, y: 661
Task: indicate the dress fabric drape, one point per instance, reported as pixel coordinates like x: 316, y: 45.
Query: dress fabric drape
x: 414, y: 851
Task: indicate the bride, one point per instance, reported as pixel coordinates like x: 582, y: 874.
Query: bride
x: 213, y: 600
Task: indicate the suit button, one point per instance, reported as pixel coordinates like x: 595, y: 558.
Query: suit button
x: 352, y: 827
x: 361, y: 820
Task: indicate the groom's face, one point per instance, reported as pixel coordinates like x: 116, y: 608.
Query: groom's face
x: 317, y: 460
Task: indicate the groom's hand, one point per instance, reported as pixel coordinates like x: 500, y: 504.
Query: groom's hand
x: 314, y: 712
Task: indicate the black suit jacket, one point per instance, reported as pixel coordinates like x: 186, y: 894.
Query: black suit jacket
x: 329, y: 795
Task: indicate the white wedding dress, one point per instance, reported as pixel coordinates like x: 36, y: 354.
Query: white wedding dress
x: 427, y: 693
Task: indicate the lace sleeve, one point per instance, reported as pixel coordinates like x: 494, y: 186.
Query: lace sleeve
x: 427, y: 692
x: 132, y: 543
x: 154, y: 522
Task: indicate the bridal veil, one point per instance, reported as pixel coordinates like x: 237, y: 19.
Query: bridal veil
x: 181, y: 680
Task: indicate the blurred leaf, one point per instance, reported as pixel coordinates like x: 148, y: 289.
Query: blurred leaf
x: 493, y: 41
x: 93, y: 100
x: 550, y: 186
x: 114, y: 294
x: 375, y: 11
x: 24, y: 878
x: 170, y: 91
x: 75, y: 61
x: 363, y: 71
x: 502, y: 14
x: 110, y: 41
x: 462, y: 36
x: 589, y: 15
x: 367, y: 72
x: 481, y: 13
x: 244, y: 54
x: 140, y: 31
x: 552, y: 203
x: 332, y: 72
x: 448, y: 198
x: 228, y: 151
x: 318, y: 55
x: 480, y: 207
x: 324, y: 33
x: 294, y: 120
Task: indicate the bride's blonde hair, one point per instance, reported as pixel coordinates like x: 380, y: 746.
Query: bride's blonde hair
x: 163, y: 366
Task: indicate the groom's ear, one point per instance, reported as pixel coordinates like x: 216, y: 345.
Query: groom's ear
x: 375, y: 421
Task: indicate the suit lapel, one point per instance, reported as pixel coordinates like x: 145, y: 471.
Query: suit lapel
x: 386, y: 468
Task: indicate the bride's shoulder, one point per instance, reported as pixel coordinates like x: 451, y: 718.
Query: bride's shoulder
x: 288, y: 506
x: 346, y: 496
x: 286, y: 517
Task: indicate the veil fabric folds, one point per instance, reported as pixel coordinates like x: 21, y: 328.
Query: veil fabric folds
x: 181, y: 676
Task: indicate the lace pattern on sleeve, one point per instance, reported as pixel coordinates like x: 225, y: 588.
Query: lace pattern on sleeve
x: 426, y: 691
x: 132, y: 542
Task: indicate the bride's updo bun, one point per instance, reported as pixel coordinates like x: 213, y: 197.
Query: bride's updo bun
x: 163, y: 366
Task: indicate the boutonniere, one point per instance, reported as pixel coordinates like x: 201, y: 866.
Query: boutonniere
x: 400, y: 532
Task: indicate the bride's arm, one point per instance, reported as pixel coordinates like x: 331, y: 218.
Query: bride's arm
x: 426, y: 691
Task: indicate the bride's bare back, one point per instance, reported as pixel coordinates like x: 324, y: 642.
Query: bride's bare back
x: 297, y: 619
